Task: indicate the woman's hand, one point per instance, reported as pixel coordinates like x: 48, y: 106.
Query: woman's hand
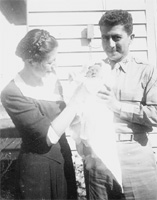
x: 65, y: 118
x: 107, y: 94
x: 80, y: 94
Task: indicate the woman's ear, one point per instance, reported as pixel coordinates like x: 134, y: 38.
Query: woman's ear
x: 29, y: 61
x: 32, y: 62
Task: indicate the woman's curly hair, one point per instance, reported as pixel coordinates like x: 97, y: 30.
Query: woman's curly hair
x: 36, y: 45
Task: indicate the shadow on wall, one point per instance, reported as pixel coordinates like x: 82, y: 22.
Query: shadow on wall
x: 13, y: 28
x: 14, y: 11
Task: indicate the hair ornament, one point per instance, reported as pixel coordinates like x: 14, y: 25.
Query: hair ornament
x: 42, y: 38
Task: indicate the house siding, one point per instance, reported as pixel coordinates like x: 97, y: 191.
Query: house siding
x: 68, y: 20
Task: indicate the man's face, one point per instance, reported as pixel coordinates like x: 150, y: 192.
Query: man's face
x: 115, y: 42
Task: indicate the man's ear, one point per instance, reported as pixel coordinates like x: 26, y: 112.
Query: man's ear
x: 132, y: 36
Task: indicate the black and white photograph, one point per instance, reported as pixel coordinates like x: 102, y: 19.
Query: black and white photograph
x: 78, y: 99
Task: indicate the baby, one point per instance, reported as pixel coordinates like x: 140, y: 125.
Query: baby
x: 93, y: 127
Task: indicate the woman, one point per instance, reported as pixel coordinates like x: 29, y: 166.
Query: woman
x: 35, y: 104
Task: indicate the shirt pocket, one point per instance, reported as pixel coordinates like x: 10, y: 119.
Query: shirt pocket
x: 132, y: 95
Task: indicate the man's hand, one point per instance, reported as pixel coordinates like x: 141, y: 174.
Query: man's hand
x: 89, y: 162
x: 107, y: 94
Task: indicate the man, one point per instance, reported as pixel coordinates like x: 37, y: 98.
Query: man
x: 133, y: 99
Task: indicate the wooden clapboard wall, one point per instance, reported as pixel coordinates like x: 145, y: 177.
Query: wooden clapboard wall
x: 68, y: 20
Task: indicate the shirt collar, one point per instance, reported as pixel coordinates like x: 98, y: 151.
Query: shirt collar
x: 123, y: 64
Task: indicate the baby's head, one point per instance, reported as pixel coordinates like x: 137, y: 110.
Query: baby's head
x: 98, y: 74
x: 93, y: 71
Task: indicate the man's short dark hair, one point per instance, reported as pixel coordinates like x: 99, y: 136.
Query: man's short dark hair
x: 117, y: 17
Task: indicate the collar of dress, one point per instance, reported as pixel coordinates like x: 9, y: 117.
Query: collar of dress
x: 45, y: 92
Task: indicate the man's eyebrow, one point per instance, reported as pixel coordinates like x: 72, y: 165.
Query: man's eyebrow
x: 116, y: 34
x: 108, y: 35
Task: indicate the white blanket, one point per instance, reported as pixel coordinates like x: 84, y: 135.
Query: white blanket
x: 94, y: 125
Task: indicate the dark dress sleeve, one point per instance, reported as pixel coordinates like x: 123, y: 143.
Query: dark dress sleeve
x: 31, y: 118
x: 24, y: 113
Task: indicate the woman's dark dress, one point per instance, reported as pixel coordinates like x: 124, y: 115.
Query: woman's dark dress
x: 45, y: 170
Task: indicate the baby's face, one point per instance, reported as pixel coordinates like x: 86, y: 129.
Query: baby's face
x: 93, y: 70
x: 97, y: 75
